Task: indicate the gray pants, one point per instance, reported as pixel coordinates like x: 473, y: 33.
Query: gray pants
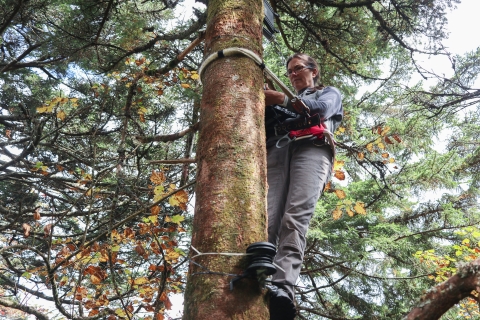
x: 297, y: 174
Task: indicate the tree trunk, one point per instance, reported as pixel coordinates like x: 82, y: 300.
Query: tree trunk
x: 230, y: 209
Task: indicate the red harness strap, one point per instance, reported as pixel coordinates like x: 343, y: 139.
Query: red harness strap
x: 315, y: 131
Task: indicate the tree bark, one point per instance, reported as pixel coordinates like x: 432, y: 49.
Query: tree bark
x: 442, y: 297
x: 230, y: 209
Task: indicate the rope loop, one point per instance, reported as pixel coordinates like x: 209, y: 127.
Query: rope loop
x: 228, y: 52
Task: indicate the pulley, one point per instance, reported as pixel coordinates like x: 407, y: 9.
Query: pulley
x: 260, y: 263
x: 261, y: 258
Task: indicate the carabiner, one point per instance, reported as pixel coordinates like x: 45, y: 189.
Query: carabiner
x: 286, y: 137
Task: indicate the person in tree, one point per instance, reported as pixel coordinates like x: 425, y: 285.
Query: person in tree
x: 297, y: 173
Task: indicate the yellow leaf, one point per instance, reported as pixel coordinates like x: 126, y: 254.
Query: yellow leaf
x: 385, y: 131
x: 73, y: 100
x: 120, y: 312
x: 61, y: 115
x: 142, y: 110
x: 174, y: 219
x: 153, y: 219
x: 45, y: 109
x: 391, y: 160
x: 381, y: 145
x: 360, y: 208
x: 338, y: 164
x: 350, y: 213
x: 337, y: 213
x: 341, y: 129
x: 179, y: 199
x: 195, y: 76
x: 139, y: 281
x: 185, y: 85
x: 172, y: 255
x: 370, y: 147
x: 158, y: 193
x: 95, y: 279
x: 340, y: 194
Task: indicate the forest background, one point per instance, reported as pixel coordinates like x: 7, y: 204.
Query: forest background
x: 98, y: 125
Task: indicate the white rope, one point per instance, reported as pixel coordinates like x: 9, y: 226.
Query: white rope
x: 226, y: 254
x: 217, y: 253
x: 250, y: 54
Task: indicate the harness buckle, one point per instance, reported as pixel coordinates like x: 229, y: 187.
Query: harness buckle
x: 285, y: 137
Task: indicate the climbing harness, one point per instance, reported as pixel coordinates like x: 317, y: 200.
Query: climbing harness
x: 297, y: 103
x: 316, y: 131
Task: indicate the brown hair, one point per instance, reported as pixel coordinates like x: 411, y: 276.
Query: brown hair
x: 310, y: 63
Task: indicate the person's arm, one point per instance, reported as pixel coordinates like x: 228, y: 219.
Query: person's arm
x: 273, y: 97
x: 327, y: 104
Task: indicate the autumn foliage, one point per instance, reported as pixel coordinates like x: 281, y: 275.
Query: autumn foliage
x: 99, y: 113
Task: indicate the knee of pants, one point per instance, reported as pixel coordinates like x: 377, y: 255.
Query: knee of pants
x: 291, y: 240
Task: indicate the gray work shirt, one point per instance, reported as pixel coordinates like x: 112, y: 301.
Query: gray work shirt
x: 327, y: 103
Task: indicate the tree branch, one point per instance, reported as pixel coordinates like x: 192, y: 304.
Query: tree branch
x: 10, y: 18
x: 442, y: 297
x: 24, y: 308
x: 169, y: 137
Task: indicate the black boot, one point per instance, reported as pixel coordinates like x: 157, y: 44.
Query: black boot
x: 281, y: 305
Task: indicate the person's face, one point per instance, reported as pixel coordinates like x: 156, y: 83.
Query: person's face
x: 299, y: 75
